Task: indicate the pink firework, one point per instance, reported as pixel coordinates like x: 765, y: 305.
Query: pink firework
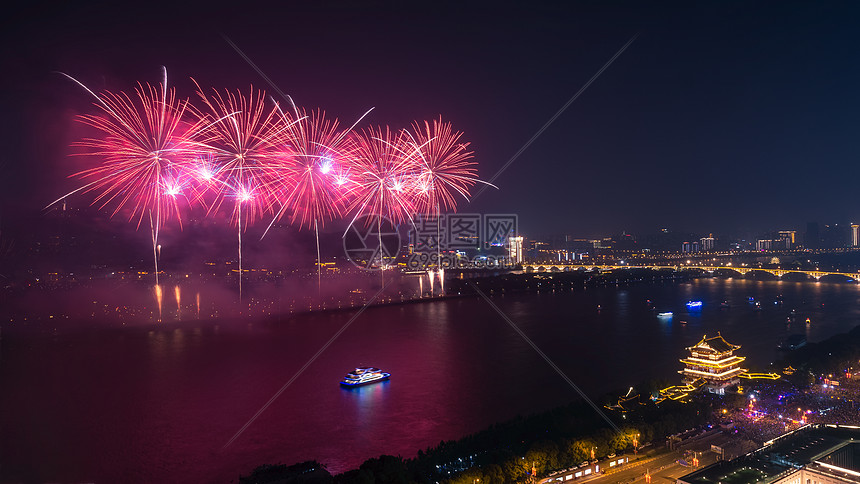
x: 205, y: 178
x: 242, y: 138
x: 143, y: 148
x: 444, y: 168
x: 382, y: 181
x: 143, y: 151
x: 317, y: 170
x: 240, y: 153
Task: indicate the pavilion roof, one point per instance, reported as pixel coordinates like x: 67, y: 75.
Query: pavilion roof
x: 716, y: 343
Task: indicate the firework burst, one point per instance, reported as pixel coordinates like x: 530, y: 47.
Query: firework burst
x: 382, y: 174
x: 239, y: 152
x: 241, y: 138
x: 315, y: 178
x: 320, y: 152
x: 142, y: 151
x: 157, y: 154
x: 444, y: 170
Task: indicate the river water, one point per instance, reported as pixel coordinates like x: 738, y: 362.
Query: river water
x: 159, y: 403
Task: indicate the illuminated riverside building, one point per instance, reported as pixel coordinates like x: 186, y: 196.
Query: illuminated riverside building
x: 713, y: 361
x: 789, y: 238
x: 516, y: 249
x: 690, y: 247
x: 763, y: 245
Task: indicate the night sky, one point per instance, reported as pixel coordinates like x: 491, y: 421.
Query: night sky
x: 720, y: 117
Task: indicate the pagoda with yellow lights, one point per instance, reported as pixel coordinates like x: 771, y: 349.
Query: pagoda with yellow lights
x: 713, y: 360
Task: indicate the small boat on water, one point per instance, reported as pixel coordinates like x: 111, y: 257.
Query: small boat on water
x: 724, y: 304
x: 667, y: 314
x: 694, y: 305
x: 364, y: 376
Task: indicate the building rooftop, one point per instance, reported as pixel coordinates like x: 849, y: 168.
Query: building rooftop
x: 825, y: 449
x: 716, y: 344
x: 846, y: 458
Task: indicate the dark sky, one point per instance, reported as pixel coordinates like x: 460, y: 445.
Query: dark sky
x: 721, y: 116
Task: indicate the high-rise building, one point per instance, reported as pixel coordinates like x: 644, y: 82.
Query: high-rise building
x: 789, y: 238
x: 707, y: 243
x: 539, y: 250
x: 515, y: 251
x: 855, y: 235
x: 764, y: 244
x: 690, y: 247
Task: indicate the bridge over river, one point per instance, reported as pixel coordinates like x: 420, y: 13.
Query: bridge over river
x: 742, y: 270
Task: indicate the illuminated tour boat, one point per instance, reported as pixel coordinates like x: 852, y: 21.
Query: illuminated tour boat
x: 713, y: 361
x: 694, y: 305
x: 364, y: 376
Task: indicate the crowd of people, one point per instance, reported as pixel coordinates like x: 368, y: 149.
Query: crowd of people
x: 771, y: 409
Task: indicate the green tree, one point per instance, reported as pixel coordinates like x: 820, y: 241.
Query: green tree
x: 515, y: 469
x: 604, y: 441
x: 544, y: 456
x: 580, y: 450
